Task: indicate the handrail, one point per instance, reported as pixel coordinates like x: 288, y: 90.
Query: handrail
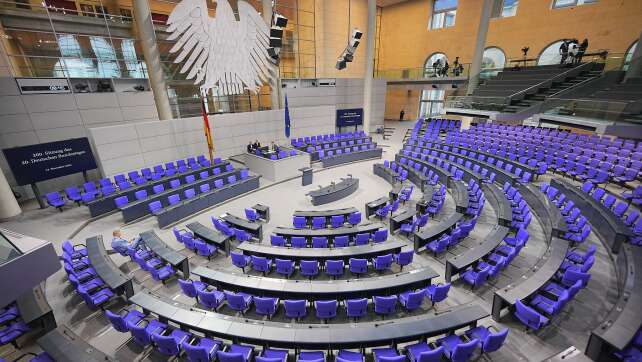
x: 550, y: 80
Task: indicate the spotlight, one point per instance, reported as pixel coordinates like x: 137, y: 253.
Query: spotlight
x: 356, y: 33
x: 341, y: 63
x: 276, y: 32
x: 348, y: 53
x: 276, y: 42
x: 280, y: 20
x: 354, y: 43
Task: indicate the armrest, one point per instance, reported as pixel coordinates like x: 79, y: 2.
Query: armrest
x: 549, y: 295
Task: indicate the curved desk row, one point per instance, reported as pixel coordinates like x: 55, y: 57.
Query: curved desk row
x: 385, y: 173
x: 322, y: 254
x: 422, y: 204
x: 255, y: 228
x: 625, y: 320
x: 309, y: 214
x: 106, y: 204
x: 373, y: 206
x: 468, y: 174
x: 167, y: 254
x: 397, y: 220
x: 115, y: 279
x: 433, y: 232
x: 210, y: 236
x: 459, y: 191
x: 187, y: 208
x: 444, y: 175
x: 334, y: 146
x: 346, y: 230
x: 611, y: 227
x: 140, y: 208
x: 500, y: 203
x: 334, y: 192
x: 416, y: 177
x: 461, y: 262
x: 316, y: 289
x: 548, y: 214
x: 351, y: 157
x: 62, y: 344
x: 523, y: 166
x: 35, y: 309
x: 310, y: 336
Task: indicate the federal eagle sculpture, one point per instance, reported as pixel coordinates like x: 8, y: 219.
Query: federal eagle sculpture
x: 221, y: 52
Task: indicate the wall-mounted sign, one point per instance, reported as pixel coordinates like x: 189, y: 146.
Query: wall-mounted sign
x: 43, y: 85
x: 45, y: 161
x: 349, y: 117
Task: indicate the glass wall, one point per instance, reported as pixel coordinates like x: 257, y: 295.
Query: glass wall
x: 550, y: 54
x: 431, y: 102
x: 434, y: 63
x: 298, y: 54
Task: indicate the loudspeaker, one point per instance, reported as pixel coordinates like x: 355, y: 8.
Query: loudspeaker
x: 276, y: 33
x: 354, y: 43
x: 341, y: 64
x: 275, y: 42
x: 280, y: 21
x: 356, y: 34
x: 273, y: 53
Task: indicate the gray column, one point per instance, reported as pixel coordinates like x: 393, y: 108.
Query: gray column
x: 367, y: 77
x: 480, y: 44
x: 635, y: 66
x: 8, y: 205
x: 275, y: 82
x: 145, y: 30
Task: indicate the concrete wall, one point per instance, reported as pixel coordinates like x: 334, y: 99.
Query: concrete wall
x: 38, y: 118
x: 347, y: 93
x: 126, y: 147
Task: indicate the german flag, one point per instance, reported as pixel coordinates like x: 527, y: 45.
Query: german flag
x: 206, y: 127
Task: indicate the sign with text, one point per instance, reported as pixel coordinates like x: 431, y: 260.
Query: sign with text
x: 45, y: 161
x: 43, y: 85
x: 349, y: 117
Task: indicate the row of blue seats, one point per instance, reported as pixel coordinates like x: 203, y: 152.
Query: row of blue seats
x: 632, y: 219
x: 302, y: 141
x: 193, y: 243
x: 172, y: 341
x: 279, y: 155
x: 90, y: 192
x: 632, y: 352
x: 335, y: 145
x: 11, y: 325
x: 578, y: 228
x: 325, y: 309
x: 227, y: 230
x: 150, y: 262
x: 83, y: 276
x: 521, y: 213
x: 338, y: 241
x: 311, y: 268
x: 189, y: 194
x: 339, y: 152
x: 321, y: 222
x: 402, y: 174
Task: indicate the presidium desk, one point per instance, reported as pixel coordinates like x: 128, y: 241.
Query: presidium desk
x: 278, y: 170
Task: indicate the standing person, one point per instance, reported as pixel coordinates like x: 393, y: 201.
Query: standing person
x: 250, y: 147
x: 456, y: 67
x: 122, y: 246
x: 581, y: 51
x: 435, y: 68
x: 444, y: 69
x: 401, y: 114
x: 573, y: 48
x: 564, y: 51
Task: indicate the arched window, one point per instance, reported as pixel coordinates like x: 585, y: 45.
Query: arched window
x: 493, y: 58
x: 430, y: 68
x: 629, y: 56
x: 550, y: 54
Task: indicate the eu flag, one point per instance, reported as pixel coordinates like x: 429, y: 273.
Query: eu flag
x: 287, y: 118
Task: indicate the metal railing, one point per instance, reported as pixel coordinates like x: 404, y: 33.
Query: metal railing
x: 423, y: 73
x: 557, y: 78
x: 587, y: 108
x: 494, y: 104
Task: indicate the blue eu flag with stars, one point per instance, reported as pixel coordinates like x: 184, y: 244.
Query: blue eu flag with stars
x: 287, y: 118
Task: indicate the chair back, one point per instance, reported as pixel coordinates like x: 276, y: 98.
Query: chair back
x: 432, y: 355
x: 326, y: 308
x: 166, y: 344
x: 187, y: 287
x: 441, y: 292
x: 116, y: 321
x: 463, y: 351
x: 229, y: 356
x: 494, y: 341
x: 405, y: 257
x: 295, y: 308
x: 357, y: 307
x: 265, y: 306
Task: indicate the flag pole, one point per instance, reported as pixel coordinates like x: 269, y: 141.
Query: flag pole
x: 206, y: 125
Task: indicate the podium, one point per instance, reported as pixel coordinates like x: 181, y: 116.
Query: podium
x: 306, y: 176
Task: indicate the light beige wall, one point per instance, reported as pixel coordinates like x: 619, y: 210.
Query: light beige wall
x: 331, y: 33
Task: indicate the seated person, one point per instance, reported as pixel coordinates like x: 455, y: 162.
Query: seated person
x: 250, y: 147
x: 123, y: 246
x: 257, y: 145
x: 274, y: 147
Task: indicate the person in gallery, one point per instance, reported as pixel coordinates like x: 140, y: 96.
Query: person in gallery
x: 123, y: 246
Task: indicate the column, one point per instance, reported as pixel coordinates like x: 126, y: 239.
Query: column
x: 635, y: 66
x: 482, y: 30
x: 145, y: 30
x: 275, y: 82
x: 8, y: 205
x: 367, y: 78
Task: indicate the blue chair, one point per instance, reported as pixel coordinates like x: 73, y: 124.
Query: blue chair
x: 457, y: 350
x: 341, y: 241
x: 411, y: 300
x: 490, y: 341
x: 204, y: 249
x: 354, y: 218
x: 334, y: 268
x: 309, y: 268
x: 241, y: 261
x: 318, y: 222
x: 266, y: 306
x: 239, y: 302
x: 251, y: 214
x: 422, y: 352
x: 299, y: 222
x: 385, y: 305
x: 326, y: 309
x: 201, y: 349
x: 236, y: 353
x: 529, y: 317
x: 284, y: 267
x: 73, y: 194
x: 295, y: 308
x: 54, y: 199
x: 119, y: 321
x: 95, y: 298
x: 349, y: 356
x: 437, y: 292
x: 382, y: 262
x: 143, y: 329
x: 357, y: 308
x: 242, y: 235
x: 319, y: 242
x: 388, y: 354
x: 170, y: 345
x: 261, y: 264
x: 380, y: 235
x: 311, y: 356
x: 277, y: 240
x: 476, y: 278
x: 298, y: 242
x: 439, y: 245
x: 358, y: 266
x: 336, y: 221
x: 272, y: 355
x: 404, y: 258
x: 190, y: 287
x: 210, y: 299
x: 362, y: 239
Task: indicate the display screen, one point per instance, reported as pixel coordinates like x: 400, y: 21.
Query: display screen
x: 349, y: 117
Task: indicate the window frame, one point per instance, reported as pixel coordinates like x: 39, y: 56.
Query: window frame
x: 575, y: 3
x: 444, y: 15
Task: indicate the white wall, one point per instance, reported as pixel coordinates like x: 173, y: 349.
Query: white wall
x: 348, y: 93
x: 126, y: 147
x: 38, y: 118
